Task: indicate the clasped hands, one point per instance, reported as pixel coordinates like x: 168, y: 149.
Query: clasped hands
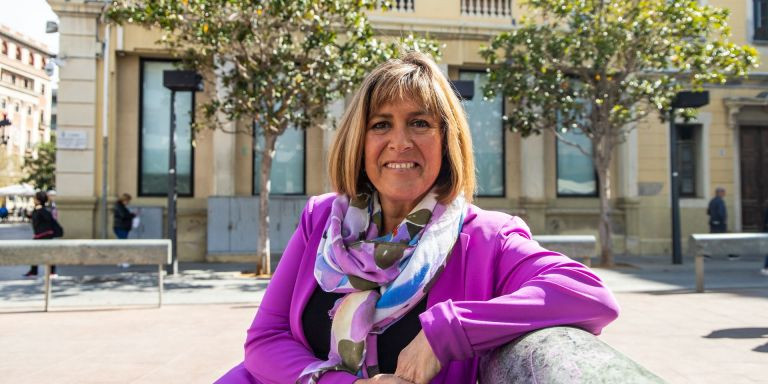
x: 416, y: 364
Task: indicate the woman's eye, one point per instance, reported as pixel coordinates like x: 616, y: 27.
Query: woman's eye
x: 380, y: 125
x: 420, y: 123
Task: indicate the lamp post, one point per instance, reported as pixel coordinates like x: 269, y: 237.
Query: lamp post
x: 176, y: 81
x: 685, y: 99
x: 4, y: 123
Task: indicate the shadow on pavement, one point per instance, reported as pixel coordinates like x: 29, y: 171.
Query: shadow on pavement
x: 742, y: 333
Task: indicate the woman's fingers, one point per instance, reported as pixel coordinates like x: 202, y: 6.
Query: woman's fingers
x: 383, y: 379
x: 417, y: 362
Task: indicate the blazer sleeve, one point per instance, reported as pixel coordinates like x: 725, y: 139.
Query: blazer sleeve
x: 272, y: 353
x: 533, y: 288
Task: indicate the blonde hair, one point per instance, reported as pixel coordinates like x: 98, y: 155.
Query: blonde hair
x: 414, y: 76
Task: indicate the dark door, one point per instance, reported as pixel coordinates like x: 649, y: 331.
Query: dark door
x: 754, y: 177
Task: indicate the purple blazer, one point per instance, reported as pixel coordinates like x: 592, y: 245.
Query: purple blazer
x: 498, y: 284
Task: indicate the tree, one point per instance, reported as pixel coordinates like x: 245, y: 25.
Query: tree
x: 277, y: 63
x: 40, y: 170
x: 597, y: 66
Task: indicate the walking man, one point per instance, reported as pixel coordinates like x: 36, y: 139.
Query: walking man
x: 123, y: 218
x: 717, y: 212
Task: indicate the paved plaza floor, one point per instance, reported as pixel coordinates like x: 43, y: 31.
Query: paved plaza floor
x: 104, y: 326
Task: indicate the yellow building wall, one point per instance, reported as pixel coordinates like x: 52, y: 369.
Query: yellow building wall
x: 646, y: 218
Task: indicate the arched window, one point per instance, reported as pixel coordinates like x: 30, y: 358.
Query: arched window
x: 18, y: 53
x: 5, y: 48
x: 31, y: 59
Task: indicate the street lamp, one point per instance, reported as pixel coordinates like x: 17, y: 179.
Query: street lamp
x: 4, y: 123
x: 685, y: 99
x: 176, y: 81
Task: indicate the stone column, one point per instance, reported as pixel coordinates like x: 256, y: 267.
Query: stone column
x: 532, y: 189
x: 335, y: 111
x: 224, y: 151
x: 628, y: 200
x: 76, y: 165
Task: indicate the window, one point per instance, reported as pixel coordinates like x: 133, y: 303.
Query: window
x: 575, y: 170
x: 761, y: 19
x: 687, y: 155
x: 3, y: 104
x: 154, y: 140
x: 42, y: 89
x: 287, y: 175
x: 31, y: 59
x: 43, y: 62
x: 18, y: 53
x: 5, y: 48
x: 487, y: 130
x: 29, y: 111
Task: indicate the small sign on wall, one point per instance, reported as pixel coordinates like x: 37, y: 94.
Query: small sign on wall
x: 72, y: 139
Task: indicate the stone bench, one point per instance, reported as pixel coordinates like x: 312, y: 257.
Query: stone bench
x: 561, y: 355
x: 581, y: 246
x: 703, y: 245
x: 87, y: 252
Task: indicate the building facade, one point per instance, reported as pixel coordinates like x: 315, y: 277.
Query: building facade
x: 25, y: 101
x: 117, y: 94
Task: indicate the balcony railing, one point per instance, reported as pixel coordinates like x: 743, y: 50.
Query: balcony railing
x: 402, y: 5
x: 487, y: 8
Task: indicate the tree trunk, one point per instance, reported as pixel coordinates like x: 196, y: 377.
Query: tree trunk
x: 602, y: 166
x: 264, y: 266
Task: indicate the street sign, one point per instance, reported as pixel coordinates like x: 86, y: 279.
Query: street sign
x: 72, y: 139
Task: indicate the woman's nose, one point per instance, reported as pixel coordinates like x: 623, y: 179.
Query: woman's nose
x: 400, y: 139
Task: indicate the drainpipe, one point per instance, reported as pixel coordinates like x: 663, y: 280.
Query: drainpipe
x: 105, y: 131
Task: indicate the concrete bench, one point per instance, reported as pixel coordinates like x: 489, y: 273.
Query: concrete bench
x: 583, y: 246
x: 561, y: 355
x: 87, y: 252
x: 703, y: 245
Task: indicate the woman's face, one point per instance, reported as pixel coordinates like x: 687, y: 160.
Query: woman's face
x: 403, y: 151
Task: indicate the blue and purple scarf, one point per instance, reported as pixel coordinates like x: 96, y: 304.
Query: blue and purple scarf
x: 383, y: 277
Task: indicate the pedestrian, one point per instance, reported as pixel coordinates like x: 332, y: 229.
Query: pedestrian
x: 123, y: 218
x: 52, y: 204
x: 396, y: 277
x: 45, y: 227
x: 717, y: 212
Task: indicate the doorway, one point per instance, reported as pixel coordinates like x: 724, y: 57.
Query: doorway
x: 753, y: 141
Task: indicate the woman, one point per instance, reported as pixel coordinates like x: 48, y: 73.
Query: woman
x: 407, y: 282
x: 44, y: 227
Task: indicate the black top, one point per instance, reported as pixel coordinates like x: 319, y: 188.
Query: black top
x: 123, y: 218
x: 42, y: 223
x: 317, y: 328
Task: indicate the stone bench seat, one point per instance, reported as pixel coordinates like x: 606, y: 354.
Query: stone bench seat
x: 703, y: 245
x: 87, y: 252
x: 575, y: 246
x: 561, y: 355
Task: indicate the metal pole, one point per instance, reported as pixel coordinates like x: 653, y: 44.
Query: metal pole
x: 174, y: 268
x: 677, y: 257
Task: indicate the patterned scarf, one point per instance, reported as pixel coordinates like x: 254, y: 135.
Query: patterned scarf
x: 383, y: 276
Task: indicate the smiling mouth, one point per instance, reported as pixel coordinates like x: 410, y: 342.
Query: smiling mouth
x: 401, y: 165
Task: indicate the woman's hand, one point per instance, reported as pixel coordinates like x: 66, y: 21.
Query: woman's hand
x: 417, y: 362
x: 383, y: 379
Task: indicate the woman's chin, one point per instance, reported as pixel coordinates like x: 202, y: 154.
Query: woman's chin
x: 404, y: 194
